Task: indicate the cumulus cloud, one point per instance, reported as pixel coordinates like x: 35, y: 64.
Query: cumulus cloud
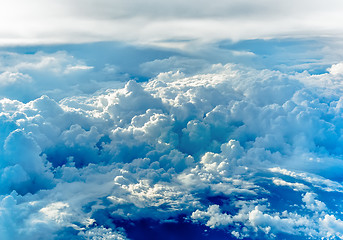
x: 11, y: 78
x: 251, y: 153
x: 332, y: 226
x: 312, y: 203
x: 215, y: 217
x: 26, y: 76
x: 336, y: 69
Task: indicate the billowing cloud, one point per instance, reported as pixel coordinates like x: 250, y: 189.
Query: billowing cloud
x: 244, y: 152
x: 11, y: 78
x: 336, y: 69
x: 59, y: 74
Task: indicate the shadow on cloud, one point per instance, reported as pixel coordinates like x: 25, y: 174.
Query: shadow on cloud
x: 235, y: 152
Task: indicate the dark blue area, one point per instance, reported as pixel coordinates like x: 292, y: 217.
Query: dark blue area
x: 81, y: 155
x: 102, y: 141
x: 178, y: 228
x: 174, y: 230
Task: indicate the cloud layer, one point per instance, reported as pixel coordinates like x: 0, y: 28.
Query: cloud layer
x: 161, y: 23
x: 249, y: 153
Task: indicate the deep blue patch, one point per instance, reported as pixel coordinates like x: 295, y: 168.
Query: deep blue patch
x: 174, y: 230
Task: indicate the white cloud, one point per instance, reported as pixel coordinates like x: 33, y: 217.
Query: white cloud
x: 103, y: 234
x: 213, y: 216
x: 59, y: 74
x: 312, y: 203
x: 156, y: 22
x: 174, y: 64
x: 295, y: 186
x: 317, y: 181
x: 77, y: 68
x: 55, y: 62
x: 273, y: 224
x: 222, y: 148
x: 56, y: 212
x: 336, y: 69
x: 332, y: 226
x: 11, y: 78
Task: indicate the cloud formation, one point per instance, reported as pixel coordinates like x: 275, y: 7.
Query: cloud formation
x: 251, y: 153
x: 156, y: 22
x: 26, y: 76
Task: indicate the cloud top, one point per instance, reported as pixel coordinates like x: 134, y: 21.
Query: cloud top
x: 218, y: 151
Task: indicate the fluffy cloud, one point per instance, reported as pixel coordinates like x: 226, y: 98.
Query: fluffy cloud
x: 336, y: 69
x: 253, y: 153
x: 59, y: 74
x: 10, y: 78
x: 215, y: 217
x: 312, y: 203
x: 332, y: 227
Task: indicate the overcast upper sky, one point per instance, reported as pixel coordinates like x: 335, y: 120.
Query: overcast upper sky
x: 155, y: 22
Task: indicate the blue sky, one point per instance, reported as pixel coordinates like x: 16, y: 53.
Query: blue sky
x: 171, y: 119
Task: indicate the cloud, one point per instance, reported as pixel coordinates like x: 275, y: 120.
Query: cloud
x: 332, y: 226
x: 58, y: 74
x: 250, y: 153
x: 11, y: 78
x: 154, y: 22
x: 312, y: 203
x: 103, y: 233
x: 68, y: 70
x: 215, y: 217
x: 77, y: 68
x: 336, y: 69
x: 273, y: 224
x: 295, y: 186
x: 185, y: 65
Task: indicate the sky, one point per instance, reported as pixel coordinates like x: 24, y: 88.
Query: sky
x: 171, y: 119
